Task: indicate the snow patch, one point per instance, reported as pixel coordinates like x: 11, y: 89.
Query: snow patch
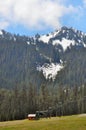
x: 14, y: 39
x: 63, y: 31
x: 50, y: 70
x: 1, y: 33
x: 64, y: 43
x: 79, y: 41
x: 28, y: 42
x: 46, y: 38
x: 84, y: 45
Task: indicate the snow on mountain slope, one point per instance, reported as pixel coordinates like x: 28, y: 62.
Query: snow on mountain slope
x: 1, y: 33
x: 50, y: 70
x: 64, y: 43
x: 61, y: 40
x: 46, y: 38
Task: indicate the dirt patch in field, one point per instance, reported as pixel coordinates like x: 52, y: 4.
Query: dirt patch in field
x: 81, y: 115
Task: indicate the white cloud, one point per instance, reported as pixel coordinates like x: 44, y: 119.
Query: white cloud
x: 35, y: 13
x: 3, y: 24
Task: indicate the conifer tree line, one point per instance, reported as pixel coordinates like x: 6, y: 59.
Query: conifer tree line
x: 19, y: 102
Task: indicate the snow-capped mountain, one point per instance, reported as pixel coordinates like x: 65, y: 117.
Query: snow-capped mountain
x: 42, y: 58
x: 62, y: 40
x: 65, y: 37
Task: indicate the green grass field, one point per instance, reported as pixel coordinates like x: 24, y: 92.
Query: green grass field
x: 77, y: 122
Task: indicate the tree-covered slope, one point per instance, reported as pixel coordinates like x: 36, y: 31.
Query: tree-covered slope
x: 57, y: 58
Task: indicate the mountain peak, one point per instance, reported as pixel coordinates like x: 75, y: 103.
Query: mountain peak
x: 65, y: 37
x: 64, y: 28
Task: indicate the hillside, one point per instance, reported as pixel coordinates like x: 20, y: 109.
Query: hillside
x: 58, y: 58
x: 42, y: 73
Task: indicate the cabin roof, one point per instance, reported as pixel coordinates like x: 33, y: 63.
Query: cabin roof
x: 31, y: 115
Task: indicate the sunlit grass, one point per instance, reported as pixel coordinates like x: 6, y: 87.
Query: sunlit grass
x: 53, y: 123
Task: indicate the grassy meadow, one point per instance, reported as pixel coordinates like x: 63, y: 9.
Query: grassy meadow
x: 77, y: 122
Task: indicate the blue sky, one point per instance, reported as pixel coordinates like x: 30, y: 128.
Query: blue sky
x: 30, y: 17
